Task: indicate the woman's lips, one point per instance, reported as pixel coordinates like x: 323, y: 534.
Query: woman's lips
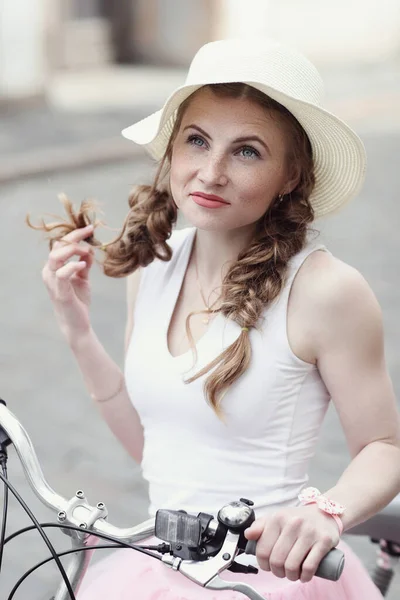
x: 208, y: 200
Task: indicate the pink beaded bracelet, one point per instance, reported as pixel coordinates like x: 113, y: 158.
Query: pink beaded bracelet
x: 313, y: 496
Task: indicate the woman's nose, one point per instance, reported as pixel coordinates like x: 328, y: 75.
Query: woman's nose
x: 213, y: 171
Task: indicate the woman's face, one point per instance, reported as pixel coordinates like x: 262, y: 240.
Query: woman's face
x: 228, y: 162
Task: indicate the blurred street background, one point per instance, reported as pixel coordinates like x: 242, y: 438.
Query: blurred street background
x: 73, y: 73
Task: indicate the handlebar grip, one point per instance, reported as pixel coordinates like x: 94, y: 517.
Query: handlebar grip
x: 330, y: 567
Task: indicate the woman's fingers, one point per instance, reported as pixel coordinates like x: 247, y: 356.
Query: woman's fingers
x: 295, y: 559
x: 63, y: 250
x: 63, y: 277
x: 67, y: 282
x: 59, y: 256
x: 313, y: 558
x: 270, y: 533
x: 280, y: 553
x: 77, y: 235
x: 84, y: 274
x: 256, y: 528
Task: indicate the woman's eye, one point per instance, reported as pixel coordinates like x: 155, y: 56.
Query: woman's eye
x: 249, y: 152
x: 196, y: 140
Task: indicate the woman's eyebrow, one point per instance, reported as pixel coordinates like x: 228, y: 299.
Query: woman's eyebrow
x: 246, y: 138
x: 193, y: 126
x: 252, y: 138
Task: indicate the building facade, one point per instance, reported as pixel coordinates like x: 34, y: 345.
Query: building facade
x: 40, y: 37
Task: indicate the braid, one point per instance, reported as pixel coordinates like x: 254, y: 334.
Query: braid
x: 145, y: 232
x: 253, y: 282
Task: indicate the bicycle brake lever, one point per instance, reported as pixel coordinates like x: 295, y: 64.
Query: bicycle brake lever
x: 202, y: 572
x: 221, y: 584
x: 206, y: 573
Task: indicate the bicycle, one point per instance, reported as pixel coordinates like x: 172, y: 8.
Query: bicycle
x: 199, y: 546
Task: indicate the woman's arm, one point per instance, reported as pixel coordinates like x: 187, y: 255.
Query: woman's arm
x: 341, y: 331
x: 349, y: 345
x: 104, y: 379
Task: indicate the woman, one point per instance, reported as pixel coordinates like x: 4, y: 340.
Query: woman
x: 241, y: 328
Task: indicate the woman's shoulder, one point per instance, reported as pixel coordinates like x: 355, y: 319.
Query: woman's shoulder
x: 332, y: 290
x: 330, y: 302
x: 328, y: 278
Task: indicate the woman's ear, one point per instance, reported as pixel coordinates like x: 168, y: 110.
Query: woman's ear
x: 292, y: 181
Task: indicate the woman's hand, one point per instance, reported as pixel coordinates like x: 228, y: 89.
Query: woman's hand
x: 293, y: 541
x: 68, y: 282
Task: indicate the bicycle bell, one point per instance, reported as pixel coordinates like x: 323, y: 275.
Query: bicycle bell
x: 237, y: 515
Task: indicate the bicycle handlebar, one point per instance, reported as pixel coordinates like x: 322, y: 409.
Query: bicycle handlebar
x: 50, y: 498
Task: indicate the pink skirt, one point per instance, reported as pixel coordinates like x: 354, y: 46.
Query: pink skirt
x: 129, y: 575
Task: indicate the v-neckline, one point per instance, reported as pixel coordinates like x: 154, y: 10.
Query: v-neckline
x: 180, y: 273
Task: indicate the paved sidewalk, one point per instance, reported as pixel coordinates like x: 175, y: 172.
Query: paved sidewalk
x: 85, y: 111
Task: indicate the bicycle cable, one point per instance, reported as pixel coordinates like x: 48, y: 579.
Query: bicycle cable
x: 42, y: 533
x: 116, y: 544
x: 162, y: 548
x: 3, y: 462
x: 50, y: 558
x: 60, y: 554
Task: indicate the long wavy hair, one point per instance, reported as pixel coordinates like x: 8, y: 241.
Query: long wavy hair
x: 257, y: 277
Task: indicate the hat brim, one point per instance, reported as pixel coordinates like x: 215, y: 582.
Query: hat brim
x: 339, y: 154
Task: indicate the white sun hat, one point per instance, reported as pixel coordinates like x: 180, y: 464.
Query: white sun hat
x: 292, y: 80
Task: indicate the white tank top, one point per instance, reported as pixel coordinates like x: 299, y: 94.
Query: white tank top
x: 192, y: 460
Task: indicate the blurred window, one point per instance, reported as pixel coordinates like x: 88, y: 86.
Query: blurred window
x: 85, y: 33
x: 88, y: 9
